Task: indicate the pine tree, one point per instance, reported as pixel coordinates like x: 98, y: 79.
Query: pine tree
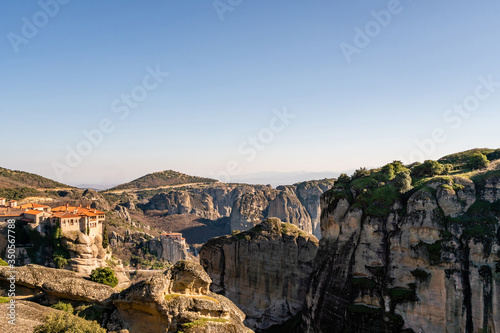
x: 105, y: 240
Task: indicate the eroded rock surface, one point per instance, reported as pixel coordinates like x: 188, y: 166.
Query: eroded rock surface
x: 248, y: 205
x: 28, y: 315
x: 59, y: 283
x: 177, y: 300
x: 264, y: 271
x: 426, y: 262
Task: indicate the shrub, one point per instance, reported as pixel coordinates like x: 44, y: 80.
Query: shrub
x: 402, y: 181
x: 343, y: 179
x: 105, y: 276
x: 66, y: 307
x: 388, y: 171
x: 430, y: 169
x: 3, y: 262
x: 494, y: 155
x: 60, y: 261
x: 360, y: 173
x: 68, y: 323
x: 203, y: 321
x: 477, y: 161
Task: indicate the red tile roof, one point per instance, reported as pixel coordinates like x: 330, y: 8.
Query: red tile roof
x: 79, y: 210
x: 33, y: 205
x: 33, y: 212
x: 65, y: 215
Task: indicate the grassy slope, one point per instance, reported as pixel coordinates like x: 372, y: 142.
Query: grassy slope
x: 163, y: 178
x: 15, y: 178
x: 17, y: 185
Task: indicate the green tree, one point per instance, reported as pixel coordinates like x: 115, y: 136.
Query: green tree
x: 402, y: 181
x: 105, y: 239
x: 478, y: 161
x: 494, y: 155
x: 429, y: 169
x: 104, y: 275
x: 343, y: 179
x: 360, y: 173
x: 388, y: 171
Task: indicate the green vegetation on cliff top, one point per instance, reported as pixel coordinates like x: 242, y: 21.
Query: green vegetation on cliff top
x: 375, y: 191
x: 163, y: 178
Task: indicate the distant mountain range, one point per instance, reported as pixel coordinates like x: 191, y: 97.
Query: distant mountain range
x: 283, y: 178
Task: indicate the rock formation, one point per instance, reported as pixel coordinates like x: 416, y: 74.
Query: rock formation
x: 248, y: 205
x: 122, y: 213
x: 59, y: 284
x: 264, y: 271
x: 177, y: 300
x: 169, y: 248
x: 28, y: 315
x: 95, y: 199
x: 393, y: 260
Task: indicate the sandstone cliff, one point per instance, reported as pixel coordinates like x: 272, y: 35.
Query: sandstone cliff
x: 264, y: 271
x: 177, y: 300
x: 248, y: 205
x: 400, y: 259
x: 86, y: 254
x: 168, y: 248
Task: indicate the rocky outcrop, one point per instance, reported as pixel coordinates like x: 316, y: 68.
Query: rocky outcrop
x: 287, y: 207
x: 177, y: 300
x: 264, y: 271
x: 122, y: 213
x: 251, y: 208
x: 422, y: 261
x: 248, y: 205
x: 169, y: 248
x: 491, y: 189
x: 96, y: 200
x: 59, y: 283
x: 87, y: 254
x: 27, y: 316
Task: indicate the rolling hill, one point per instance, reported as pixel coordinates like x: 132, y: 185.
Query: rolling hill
x: 15, y: 184
x: 161, y: 179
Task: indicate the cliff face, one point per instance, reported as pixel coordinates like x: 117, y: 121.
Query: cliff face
x: 264, y: 271
x: 248, y: 205
x: 177, y: 300
x: 169, y: 249
x: 420, y: 260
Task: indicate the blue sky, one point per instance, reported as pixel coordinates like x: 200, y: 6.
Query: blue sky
x: 228, y: 78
